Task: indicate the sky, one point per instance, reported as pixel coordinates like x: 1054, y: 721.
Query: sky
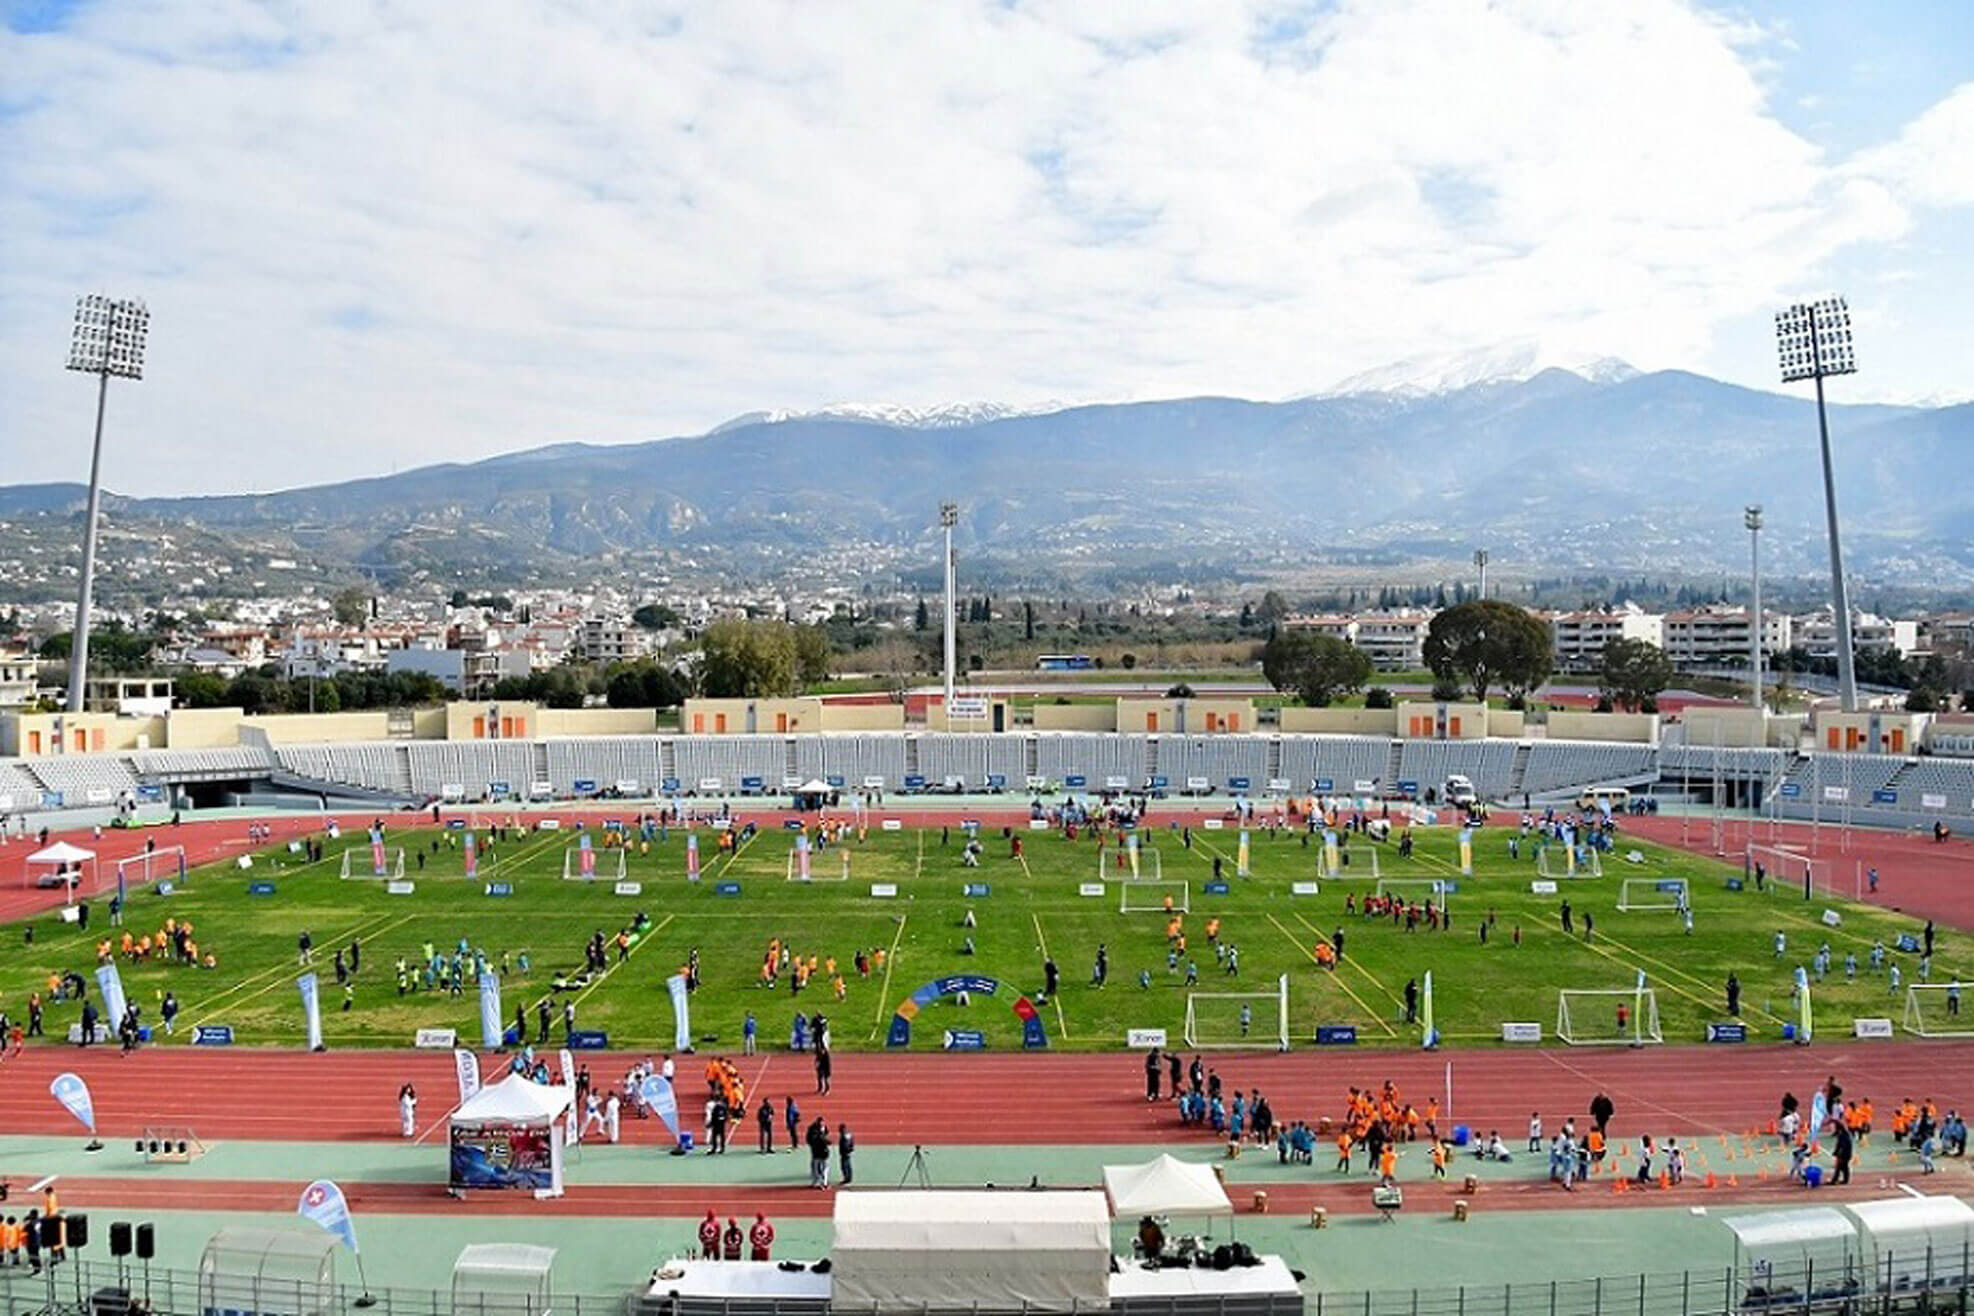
x: 375, y: 235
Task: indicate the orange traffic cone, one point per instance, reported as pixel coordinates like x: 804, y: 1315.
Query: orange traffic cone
x: 1710, y: 1181
x: 1733, y: 1181
x: 1665, y: 1179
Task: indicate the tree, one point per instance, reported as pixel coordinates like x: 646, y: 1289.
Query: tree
x: 644, y: 685
x: 1634, y: 671
x: 1273, y: 608
x: 921, y: 619
x: 351, y: 606
x: 199, y: 689
x: 1027, y: 620
x: 1922, y: 700
x: 1179, y: 691
x: 654, y: 617
x: 811, y: 655
x: 1317, y: 668
x: 1247, y: 616
x: 1489, y: 641
x: 1129, y: 661
x: 747, y: 660
x: 1378, y: 697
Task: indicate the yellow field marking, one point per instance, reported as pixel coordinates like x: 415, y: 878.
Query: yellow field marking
x: 285, y: 981
x: 642, y: 942
x: 890, y: 963
x: 1056, y: 1000
x: 1376, y: 1016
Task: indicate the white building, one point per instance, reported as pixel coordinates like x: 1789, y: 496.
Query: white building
x: 1719, y: 636
x: 1395, y: 641
x: 470, y: 672
x: 1817, y: 633
x: 17, y: 678
x: 1580, y: 637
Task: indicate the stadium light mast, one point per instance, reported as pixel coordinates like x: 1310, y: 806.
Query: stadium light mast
x: 1480, y: 563
x: 1813, y: 339
x: 109, y: 340
x: 949, y: 516
x: 1751, y: 516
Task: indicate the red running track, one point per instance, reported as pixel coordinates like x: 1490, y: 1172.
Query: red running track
x: 994, y: 1098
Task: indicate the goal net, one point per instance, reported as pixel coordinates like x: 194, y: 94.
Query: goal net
x: 823, y: 867
x: 1415, y: 890
x: 1932, y: 1009
x: 604, y: 865
x: 1234, y: 1020
x: 1785, y: 872
x: 1359, y: 863
x: 1566, y: 861
x: 1149, y: 897
x: 1114, y: 861
x: 1654, y: 893
x: 164, y: 864
x: 359, y: 862
x: 1609, y: 1017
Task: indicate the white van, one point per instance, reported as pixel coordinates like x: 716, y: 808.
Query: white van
x: 1596, y: 798
x: 1458, y: 790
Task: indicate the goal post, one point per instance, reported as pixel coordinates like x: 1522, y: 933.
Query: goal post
x: 1229, y: 1021
x: 1589, y: 1017
x: 1354, y: 864
x: 1642, y: 893
x: 1565, y: 861
x: 822, y: 868
x: 164, y: 864
x: 611, y: 865
x: 1786, y: 872
x: 360, y: 864
x: 1933, y: 1009
x: 1148, y: 897
x: 1411, y: 889
x: 1149, y: 867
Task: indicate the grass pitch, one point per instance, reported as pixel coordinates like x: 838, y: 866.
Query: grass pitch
x: 1034, y: 907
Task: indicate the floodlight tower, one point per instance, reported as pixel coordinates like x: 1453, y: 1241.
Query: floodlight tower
x: 1480, y: 563
x: 109, y: 340
x: 1813, y: 339
x: 1751, y: 516
x: 949, y: 516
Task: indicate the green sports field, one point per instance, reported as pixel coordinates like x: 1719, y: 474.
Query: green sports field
x: 1035, y: 905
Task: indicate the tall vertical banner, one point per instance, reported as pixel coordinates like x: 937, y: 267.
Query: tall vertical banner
x: 311, y: 1009
x: 493, y: 1025
x: 1429, y: 1035
x: 377, y: 851
x: 323, y: 1204
x: 568, y: 1062
x: 1803, y: 1029
x: 1332, y: 852
x: 662, y: 1100
x: 1638, y: 1009
x: 472, y: 855
x: 681, y: 1013
x: 1466, y: 852
x: 111, y: 986
x: 802, y: 856
x: 1569, y: 851
x: 466, y: 1068
x: 586, y: 855
x: 1241, y: 856
x: 1131, y: 848
x: 73, y: 1093
x: 692, y: 857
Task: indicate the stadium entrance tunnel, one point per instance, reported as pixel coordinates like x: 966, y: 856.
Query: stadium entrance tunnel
x: 1033, y: 1036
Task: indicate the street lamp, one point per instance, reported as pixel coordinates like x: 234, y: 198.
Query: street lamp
x: 949, y: 516
x: 1751, y: 516
x: 1480, y: 562
x: 1813, y: 339
x: 109, y: 340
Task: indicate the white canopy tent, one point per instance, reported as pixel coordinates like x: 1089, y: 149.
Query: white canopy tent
x: 509, y: 1135
x: 58, y: 860
x: 1005, y: 1250
x: 1165, y: 1186
x: 502, y: 1279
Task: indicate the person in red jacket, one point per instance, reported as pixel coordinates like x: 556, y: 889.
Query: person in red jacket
x: 732, y: 1239
x: 761, y: 1238
x: 709, y: 1238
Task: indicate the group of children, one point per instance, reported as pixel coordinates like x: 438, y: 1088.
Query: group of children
x: 802, y: 970
x: 173, y: 942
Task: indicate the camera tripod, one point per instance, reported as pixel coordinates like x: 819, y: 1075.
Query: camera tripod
x: 916, y: 1166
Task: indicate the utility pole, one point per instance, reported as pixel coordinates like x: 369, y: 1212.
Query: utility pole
x: 949, y: 516
x: 109, y: 340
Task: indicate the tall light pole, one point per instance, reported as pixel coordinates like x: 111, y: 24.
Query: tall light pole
x: 1813, y: 339
x: 1751, y: 516
x: 1480, y: 562
x: 949, y: 516
x: 109, y: 340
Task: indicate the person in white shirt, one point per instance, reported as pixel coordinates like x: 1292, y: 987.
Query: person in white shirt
x: 408, y: 1110
x: 612, y: 1118
x: 1535, y: 1131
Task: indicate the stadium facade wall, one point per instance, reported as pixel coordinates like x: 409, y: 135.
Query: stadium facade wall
x: 1632, y: 728
x: 1339, y: 721
x: 1075, y: 717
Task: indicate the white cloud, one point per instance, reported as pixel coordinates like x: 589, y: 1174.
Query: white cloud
x: 375, y: 237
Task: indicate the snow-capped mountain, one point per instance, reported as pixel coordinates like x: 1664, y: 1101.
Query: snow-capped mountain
x: 948, y: 415
x: 1448, y: 372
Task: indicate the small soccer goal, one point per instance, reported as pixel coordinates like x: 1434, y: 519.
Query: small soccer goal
x: 1355, y: 864
x: 164, y: 864
x: 1148, y: 897
x: 611, y: 865
x: 1786, y: 872
x: 360, y: 863
x: 1640, y: 893
x: 1231, y: 1021
x: 1115, y: 861
x: 1564, y: 861
x: 1614, y: 1016
x: 823, y: 867
x: 1415, y: 890
x: 1932, y: 1009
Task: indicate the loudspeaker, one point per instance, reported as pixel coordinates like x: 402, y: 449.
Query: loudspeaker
x: 50, y: 1229
x: 147, y: 1241
x: 119, y: 1238
x: 78, y: 1229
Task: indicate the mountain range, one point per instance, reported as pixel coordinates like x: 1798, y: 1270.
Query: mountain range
x: 1556, y: 471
